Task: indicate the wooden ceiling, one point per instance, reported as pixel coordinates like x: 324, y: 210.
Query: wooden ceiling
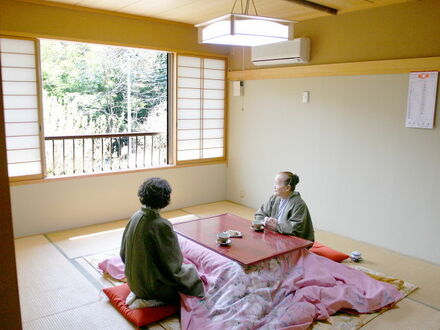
x: 198, y: 11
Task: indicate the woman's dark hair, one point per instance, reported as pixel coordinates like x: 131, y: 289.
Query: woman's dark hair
x: 155, y: 193
x: 291, y: 179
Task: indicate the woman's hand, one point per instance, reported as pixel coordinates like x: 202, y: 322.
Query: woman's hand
x: 271, y: 223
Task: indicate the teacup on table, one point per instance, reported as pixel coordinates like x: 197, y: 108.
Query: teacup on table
x: 356, y: 256
x: 223, y: 237
x: 258, y: 226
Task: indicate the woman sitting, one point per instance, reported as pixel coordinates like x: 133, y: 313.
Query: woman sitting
x: 150, y: 250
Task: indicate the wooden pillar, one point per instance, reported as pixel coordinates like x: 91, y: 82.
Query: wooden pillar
x: 9, y: 301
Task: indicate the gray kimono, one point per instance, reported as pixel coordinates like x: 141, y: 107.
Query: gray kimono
x: 295, y: 219
x: 153, y: 259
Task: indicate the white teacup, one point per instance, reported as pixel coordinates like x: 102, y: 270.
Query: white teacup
x: 223, y: 237
x: 356, y: 256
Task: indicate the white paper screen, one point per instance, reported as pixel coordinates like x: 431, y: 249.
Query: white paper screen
x: 20, y: 100
x: 200, y: 108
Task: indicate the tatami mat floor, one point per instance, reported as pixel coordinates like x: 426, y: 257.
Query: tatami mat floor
x: 60, y: 290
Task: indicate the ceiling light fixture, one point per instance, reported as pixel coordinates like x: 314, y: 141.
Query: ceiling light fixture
x: 244, y: 29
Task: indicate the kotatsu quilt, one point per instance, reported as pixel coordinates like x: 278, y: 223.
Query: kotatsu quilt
x: 286, y: 292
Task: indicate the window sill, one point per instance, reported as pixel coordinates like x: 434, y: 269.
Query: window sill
x: 82, y: 176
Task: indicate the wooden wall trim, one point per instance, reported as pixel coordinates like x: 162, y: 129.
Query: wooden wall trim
x: 9, y: 302
x: 340, y: 69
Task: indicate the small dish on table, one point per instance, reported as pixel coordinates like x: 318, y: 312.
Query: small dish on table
x: 226, y: 243
x: 257, y: 226
x: 234, y: 233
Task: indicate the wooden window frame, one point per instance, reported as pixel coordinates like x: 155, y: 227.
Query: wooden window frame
x: 172, y: 119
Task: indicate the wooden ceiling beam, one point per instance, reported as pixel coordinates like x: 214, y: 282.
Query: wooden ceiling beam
x: 315, y: 5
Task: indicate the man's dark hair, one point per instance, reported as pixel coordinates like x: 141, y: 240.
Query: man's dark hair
x: 155, y: 193
x: 291, y: 179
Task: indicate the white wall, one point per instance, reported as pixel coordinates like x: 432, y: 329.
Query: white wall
x: 362, y: 173
x: 57, y: 205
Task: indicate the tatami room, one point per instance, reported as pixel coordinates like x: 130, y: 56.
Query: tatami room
x: 370, y: 183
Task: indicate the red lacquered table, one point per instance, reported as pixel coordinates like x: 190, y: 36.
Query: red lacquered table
x: 251, y: 248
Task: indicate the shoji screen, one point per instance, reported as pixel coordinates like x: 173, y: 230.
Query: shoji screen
x: 20, y: 100
x: 200, y: 108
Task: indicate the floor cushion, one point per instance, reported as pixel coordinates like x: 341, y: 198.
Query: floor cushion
x: 325, y: 251
x: 141, y: 316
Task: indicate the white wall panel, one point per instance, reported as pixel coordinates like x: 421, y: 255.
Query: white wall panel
x: 363, y: 174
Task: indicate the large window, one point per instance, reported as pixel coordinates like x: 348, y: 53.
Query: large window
x: 105, y: 107
x: 75, y: 108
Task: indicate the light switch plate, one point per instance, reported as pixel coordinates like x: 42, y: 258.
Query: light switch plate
x: 306, y: 97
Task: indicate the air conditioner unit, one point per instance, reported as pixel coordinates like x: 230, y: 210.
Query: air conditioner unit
x: 285, y: 52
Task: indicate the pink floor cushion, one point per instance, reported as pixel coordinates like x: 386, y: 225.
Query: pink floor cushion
x: 325, y: 251
x: 140, y: 316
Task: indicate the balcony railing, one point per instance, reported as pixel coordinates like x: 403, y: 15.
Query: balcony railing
x: 77, y: 154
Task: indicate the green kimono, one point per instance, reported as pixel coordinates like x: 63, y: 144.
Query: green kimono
x: 153, y: 260
x: 295, y: 220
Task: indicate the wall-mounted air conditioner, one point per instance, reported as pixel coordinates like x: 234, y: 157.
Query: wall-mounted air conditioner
x: 286, y: 52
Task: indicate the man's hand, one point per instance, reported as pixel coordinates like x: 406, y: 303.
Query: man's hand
x: 271, y: 223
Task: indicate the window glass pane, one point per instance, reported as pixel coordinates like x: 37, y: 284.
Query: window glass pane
x: 188, y: 154
x: 189, y: 61
x: 19, y: 88
x: 212, y: 143
x: 213, y: 104
x: 188, y: 134
x: 215, y: 84
x: 212, y: 133
x: 21, y: 129
x: 188, y: 82
x: 18, y: 60
x: 20, y: 102
x: 22, y: 142
x: 188, y: 93
x: 188, y: 145
x: 17, y: 46
x: 24, y: 169
x: 214, y: 64
x: 213, y: 94
x: 188, y: 124
x: 211, y: 153
x: 18, y: 74
x: 188, y: 103
x: 213, y: 114
x: 188, y: 114
x: 12, y: 116
x: 213, y: 123
x: 104, y: 89
x: 188, y: 72
x: 213, y: 74
x: 18, y: 156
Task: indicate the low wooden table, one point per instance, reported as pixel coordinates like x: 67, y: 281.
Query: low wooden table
x: 251, y: 248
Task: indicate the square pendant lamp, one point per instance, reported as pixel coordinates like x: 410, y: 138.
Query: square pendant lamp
x: 244, y: 30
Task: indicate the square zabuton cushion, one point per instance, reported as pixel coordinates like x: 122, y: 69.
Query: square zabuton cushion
x: 325, y: 251
x: 140, y: 316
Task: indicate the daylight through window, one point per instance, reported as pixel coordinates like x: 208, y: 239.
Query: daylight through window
x: 105, y: 107
x: 73, y: 108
